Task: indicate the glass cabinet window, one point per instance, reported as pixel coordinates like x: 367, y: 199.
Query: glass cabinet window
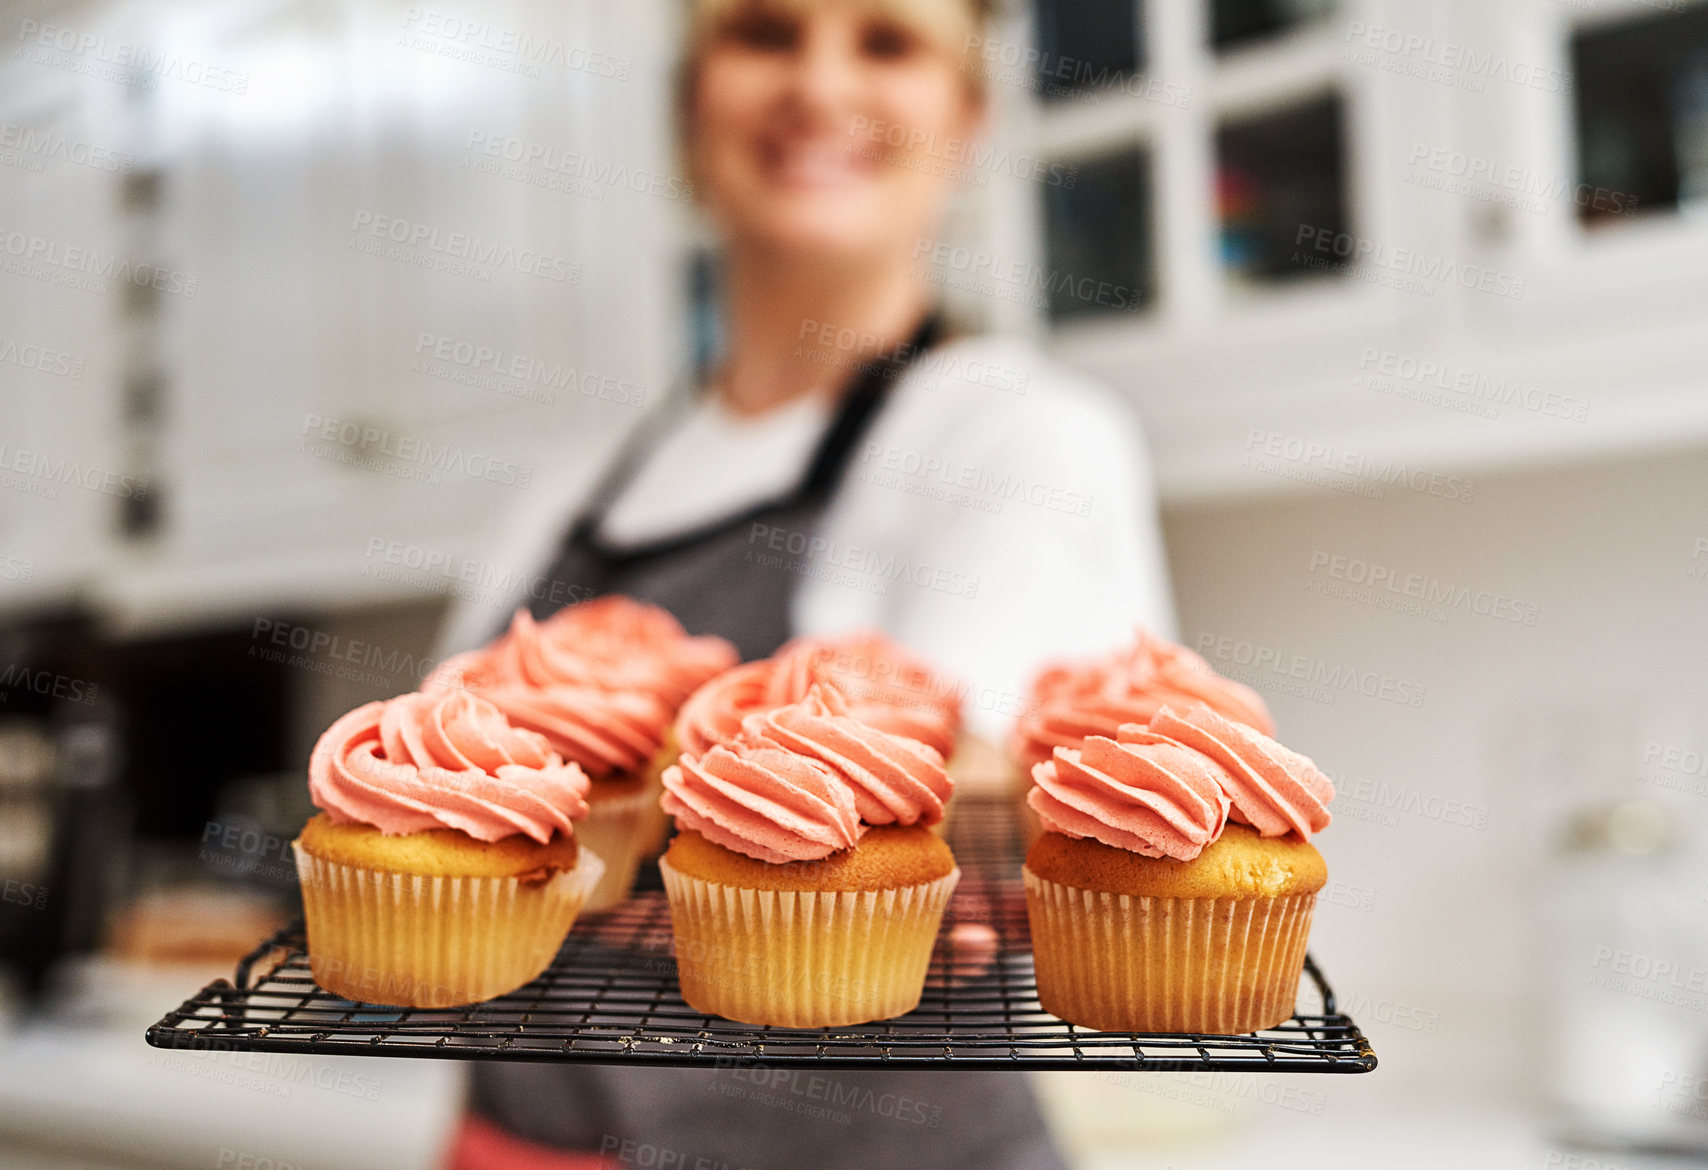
x: 1235, y: 22
x: 1278, y: 176
x: 1642, y: 115
x: 1087, y: 45
x: 1097, y: 236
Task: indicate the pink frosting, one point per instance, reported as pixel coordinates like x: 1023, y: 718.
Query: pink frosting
x: 805, y: 780
x: 611, y: 642
x: 763, y: 801
x: 1273, y: 789
x: 713, y: 714
x: 1141, y: 792
x: 886, y: 686
x: 1073, y: 700
x: 895, y: 780
x: 447, y: 759
x: 605, y: 732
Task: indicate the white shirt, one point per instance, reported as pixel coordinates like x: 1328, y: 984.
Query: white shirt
x: 998, y: 514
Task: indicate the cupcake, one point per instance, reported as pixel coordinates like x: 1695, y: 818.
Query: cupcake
x: 1073, y: 700
x: 601, y: 681
x: 618, y: 739
x: 1173, y: 885
x: 805, y: 885
x: 884, y: 684
x: 443, y: 868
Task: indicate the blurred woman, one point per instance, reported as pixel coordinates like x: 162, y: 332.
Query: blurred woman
x: 851, y: 463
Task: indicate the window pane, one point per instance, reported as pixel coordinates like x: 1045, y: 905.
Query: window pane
x: 1086, y: 45
x: 1642, y: 115
x: 1277, y: 175
x: 1234, y: 22
x: 1098, y: 237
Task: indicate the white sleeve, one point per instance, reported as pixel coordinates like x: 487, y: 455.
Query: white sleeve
x: 1073, y: 558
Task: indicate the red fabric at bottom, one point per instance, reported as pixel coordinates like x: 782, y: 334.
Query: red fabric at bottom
x: 481, y: 1145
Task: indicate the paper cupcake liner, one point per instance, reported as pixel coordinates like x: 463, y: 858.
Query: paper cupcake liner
x: 622, y: 830
x: 378, y: 936
x: 1121, y: 963
x: 803, y: 959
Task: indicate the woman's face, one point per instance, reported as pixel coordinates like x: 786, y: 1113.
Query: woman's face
x: 833, y: 132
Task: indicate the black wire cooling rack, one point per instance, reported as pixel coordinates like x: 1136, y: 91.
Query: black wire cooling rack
x: 611, y: 997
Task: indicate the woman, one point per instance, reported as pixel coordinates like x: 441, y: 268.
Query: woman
x: 848, y: 465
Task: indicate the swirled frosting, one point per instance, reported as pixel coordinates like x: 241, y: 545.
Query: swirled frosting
x: 1073, y: 700
x: 1141, y: 792
x: 611, y: 642
x: 802, y: 781
x: 447, y: 759
x: 885, y: 685
x: 1274, y: 790
x: 764, y: 801
x: 713, y: 714
x: 605, y: 732
x: 895, y: 780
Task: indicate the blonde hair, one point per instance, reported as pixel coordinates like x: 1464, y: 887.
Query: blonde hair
x: 947, y: 23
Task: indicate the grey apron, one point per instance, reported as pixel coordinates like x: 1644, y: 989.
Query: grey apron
x: 715, y: 582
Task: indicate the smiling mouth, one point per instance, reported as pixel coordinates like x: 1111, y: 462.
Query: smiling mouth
x: 814, y: 164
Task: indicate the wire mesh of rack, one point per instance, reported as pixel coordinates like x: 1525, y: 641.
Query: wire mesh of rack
x: 611, y: 996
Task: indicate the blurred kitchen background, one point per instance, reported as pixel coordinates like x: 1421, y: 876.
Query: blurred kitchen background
x: 296, y: 296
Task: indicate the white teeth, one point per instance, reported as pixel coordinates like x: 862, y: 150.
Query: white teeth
x: 817, y: 163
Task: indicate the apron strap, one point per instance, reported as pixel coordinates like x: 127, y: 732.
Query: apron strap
x: 854, y: 414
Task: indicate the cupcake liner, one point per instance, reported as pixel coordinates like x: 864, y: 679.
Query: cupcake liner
x: 803, y: 958
x: 1122, y: 963
x: 379, y: 936
x: 622, y: 830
